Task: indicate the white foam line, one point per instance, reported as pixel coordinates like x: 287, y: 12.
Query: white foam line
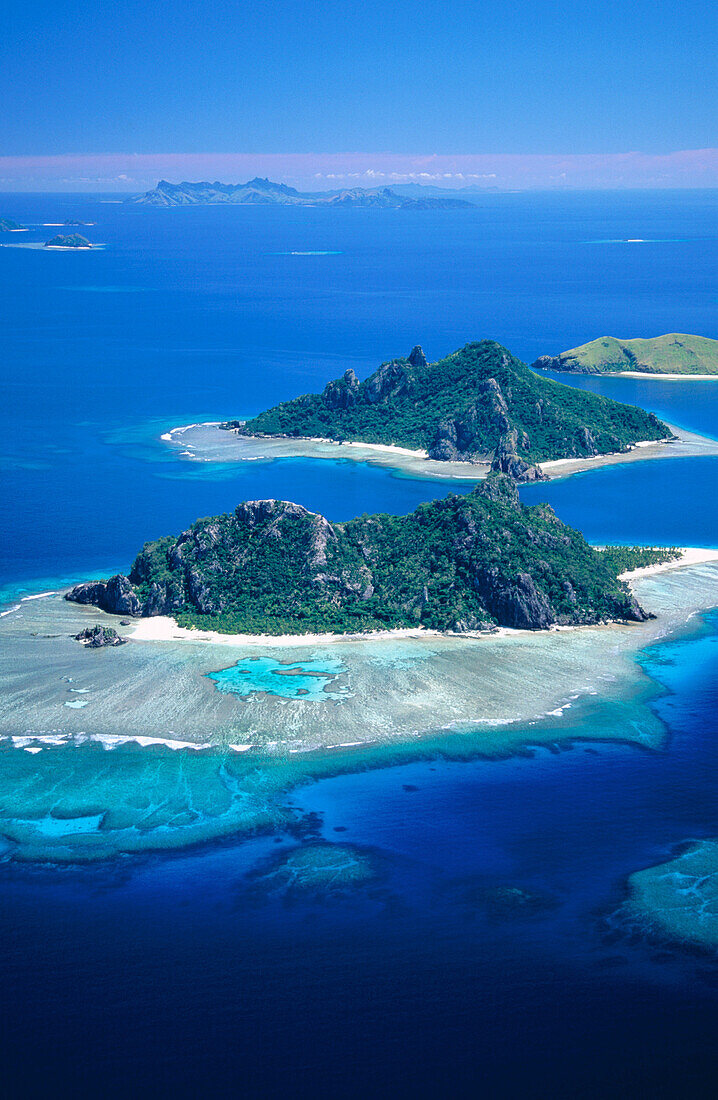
x: 167, y: 436
x: 39, y: 596
x: 108, y: 741
x: 21, y: 742
x: 112, y: 740
x: 9, y: 611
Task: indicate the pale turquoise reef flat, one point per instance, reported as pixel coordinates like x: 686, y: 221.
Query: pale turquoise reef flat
x: 186, y: 762
x: 679, y: 898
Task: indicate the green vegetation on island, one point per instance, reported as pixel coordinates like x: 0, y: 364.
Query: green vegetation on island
x: 478, y: 403
x: 72, y: 240
x: 675, y: 353
x: 462, y: 563
x: 7, y: 225
x: 624, y: 558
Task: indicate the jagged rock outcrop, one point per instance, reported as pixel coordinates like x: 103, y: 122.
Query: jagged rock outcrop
x: 586, y: 441
x: 342, y: 393
x: 445, y: 445
x: 97, y: 637
x: 507, y: 460
x: 417, y: 357
x: 391, y: 380
x: 516, y: 603
x: 116, y: 596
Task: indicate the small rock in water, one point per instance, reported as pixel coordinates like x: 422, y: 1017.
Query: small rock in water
x: 95, y: 637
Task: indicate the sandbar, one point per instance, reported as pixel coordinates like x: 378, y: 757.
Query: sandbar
x: 210, y: 443
x: 661, y: 377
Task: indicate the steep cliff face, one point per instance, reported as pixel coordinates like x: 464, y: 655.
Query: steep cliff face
x: 461, y: 563
x: 116, y: 596
x: 479, y: 404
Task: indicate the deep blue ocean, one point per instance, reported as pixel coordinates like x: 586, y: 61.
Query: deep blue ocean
x: 167, y: 975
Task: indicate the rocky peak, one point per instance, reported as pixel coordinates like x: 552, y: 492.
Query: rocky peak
x: 254, y: 512
x: 390, y: 380
x: 498, y: 409
x: 343, y: 392
x: 417, y: 357
x: 507, y: 460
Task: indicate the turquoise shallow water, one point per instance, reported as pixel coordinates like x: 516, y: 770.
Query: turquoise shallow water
x: 308, y: 680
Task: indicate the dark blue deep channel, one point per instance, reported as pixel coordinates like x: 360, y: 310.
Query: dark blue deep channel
x: 182, y: 975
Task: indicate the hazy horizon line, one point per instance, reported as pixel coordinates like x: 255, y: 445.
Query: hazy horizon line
x: 685, y: 168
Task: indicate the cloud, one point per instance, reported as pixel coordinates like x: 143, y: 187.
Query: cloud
x: 689, y: 168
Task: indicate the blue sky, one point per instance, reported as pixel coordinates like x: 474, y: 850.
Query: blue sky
x: 435, y: 77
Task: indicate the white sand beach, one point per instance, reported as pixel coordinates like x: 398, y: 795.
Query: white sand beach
x: 690, y: 555
x: 208, y: 442
x: 163, y: 628
x: 661, y: 377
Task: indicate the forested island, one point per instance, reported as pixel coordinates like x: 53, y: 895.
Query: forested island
x: 463, y: 563
x: 72, y: 240
x: 265, y: 192
x: 478, y: 403
x: 7, y: 225
x: 674, y: 353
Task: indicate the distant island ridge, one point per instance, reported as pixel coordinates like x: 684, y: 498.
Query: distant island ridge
x: 676, y: 353
x: 265, y: 192
x: 7, y: 225
x: 478, y: 404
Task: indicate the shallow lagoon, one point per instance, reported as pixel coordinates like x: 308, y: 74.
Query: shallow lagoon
x: 255, y: 675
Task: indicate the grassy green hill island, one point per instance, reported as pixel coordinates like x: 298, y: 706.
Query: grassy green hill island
x: 675, y: 353
x: 463, y: 563
x: 479, y: 403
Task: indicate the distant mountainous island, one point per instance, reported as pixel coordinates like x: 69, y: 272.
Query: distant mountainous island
x: 675, y: 353
x: 265, y: 192
x: 72, y: 240
x: 476, y: 404
x: 463, y: 563
x: 7, y: 225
